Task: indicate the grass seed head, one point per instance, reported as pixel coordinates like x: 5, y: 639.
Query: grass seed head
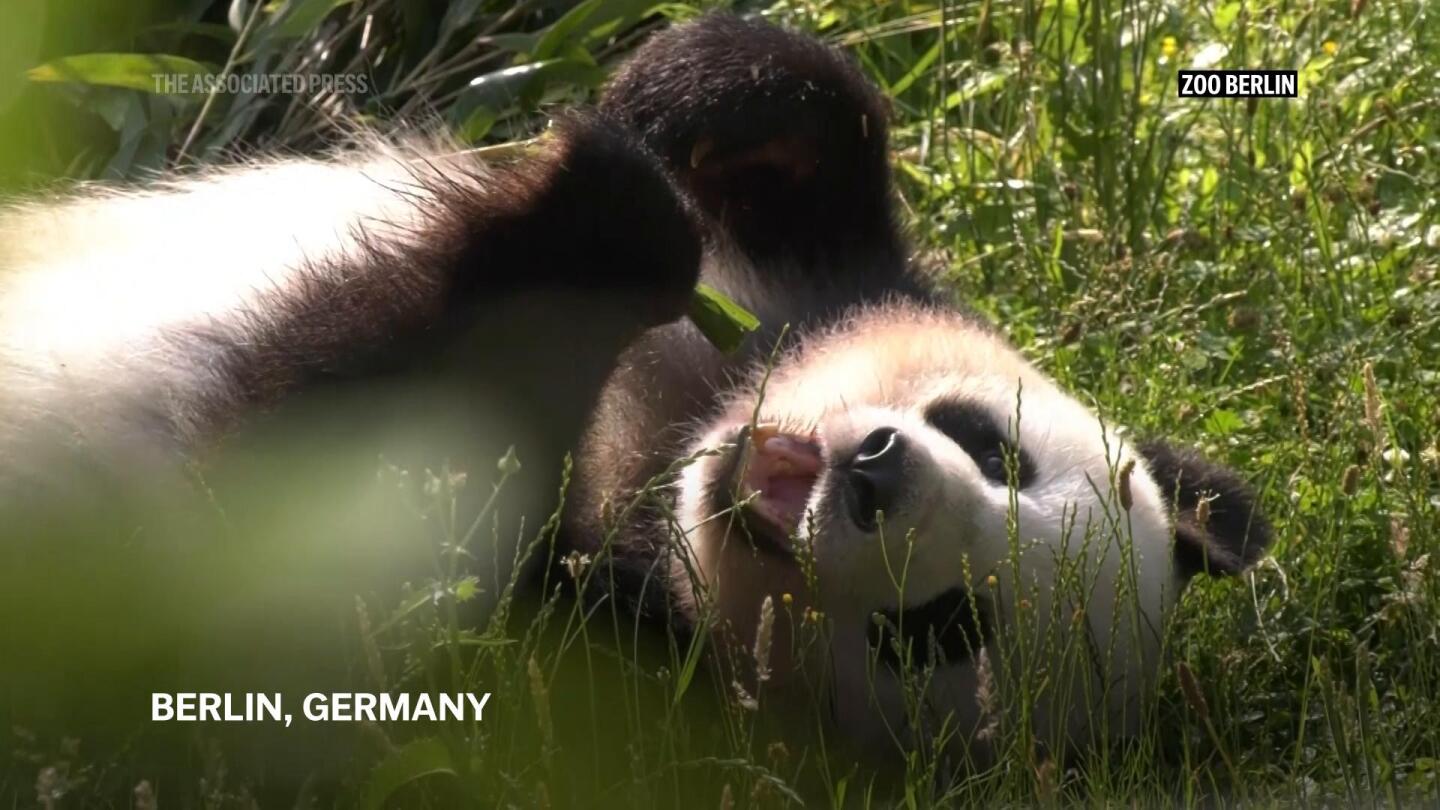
x: 743, y: 697
x: 1399, y: 537
x: 145, y: 796
x: 576, y: 564
x: 1191, y: 689
x: 987, y: 698
x: 1372, y: 403
x: 763, y: 636
x: 1350, y: 480
x: 1202, y: 513
x: 1127, y: 498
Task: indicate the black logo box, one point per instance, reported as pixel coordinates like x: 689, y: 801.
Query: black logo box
x: 1239, y: 83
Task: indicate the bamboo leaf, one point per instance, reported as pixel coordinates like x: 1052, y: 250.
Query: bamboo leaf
x: 134, y: 71
x: 722, y: 321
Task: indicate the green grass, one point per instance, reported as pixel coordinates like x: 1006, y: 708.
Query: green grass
x: 1217, y: 272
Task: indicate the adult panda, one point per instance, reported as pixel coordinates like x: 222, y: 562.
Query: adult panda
x: 875, y: 456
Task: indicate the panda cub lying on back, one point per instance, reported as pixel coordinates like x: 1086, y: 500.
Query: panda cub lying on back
x: 871, y: 453
x: 894, y: 465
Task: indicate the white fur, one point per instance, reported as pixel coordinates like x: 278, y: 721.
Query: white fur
x: 101, y: 292
x: 880, y: 370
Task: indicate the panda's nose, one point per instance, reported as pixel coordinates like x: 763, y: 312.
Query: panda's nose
x: 875, y: 475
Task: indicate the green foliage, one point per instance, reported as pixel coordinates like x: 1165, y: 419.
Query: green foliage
x: 482, y: 67
x: 422, y: 758
x: 135, y: 71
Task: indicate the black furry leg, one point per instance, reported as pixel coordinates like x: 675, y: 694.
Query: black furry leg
x: 779, y: 137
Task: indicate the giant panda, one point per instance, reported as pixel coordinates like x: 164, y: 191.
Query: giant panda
x: 877, y: 463
x: 869, y: 426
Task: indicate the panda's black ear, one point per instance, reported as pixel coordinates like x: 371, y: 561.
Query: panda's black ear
x: 1234, y: 533
x: 778, y: 136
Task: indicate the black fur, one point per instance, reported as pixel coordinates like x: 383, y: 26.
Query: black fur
x: 1236, y: 532
x: 600, y: 216
x: 779, y: 137
x: 539, y: 224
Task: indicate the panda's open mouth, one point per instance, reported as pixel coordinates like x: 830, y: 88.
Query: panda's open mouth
x: 774, y: 477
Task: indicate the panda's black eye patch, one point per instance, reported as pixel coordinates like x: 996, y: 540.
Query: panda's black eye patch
x: 972, y: 428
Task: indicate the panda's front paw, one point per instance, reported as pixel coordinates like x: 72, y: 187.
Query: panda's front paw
x: 620, y: 225
x: 779, y: 138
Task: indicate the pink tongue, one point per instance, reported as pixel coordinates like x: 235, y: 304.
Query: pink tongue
x: 782, y: 469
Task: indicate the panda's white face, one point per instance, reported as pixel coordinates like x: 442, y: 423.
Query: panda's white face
x: 931, y: 474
